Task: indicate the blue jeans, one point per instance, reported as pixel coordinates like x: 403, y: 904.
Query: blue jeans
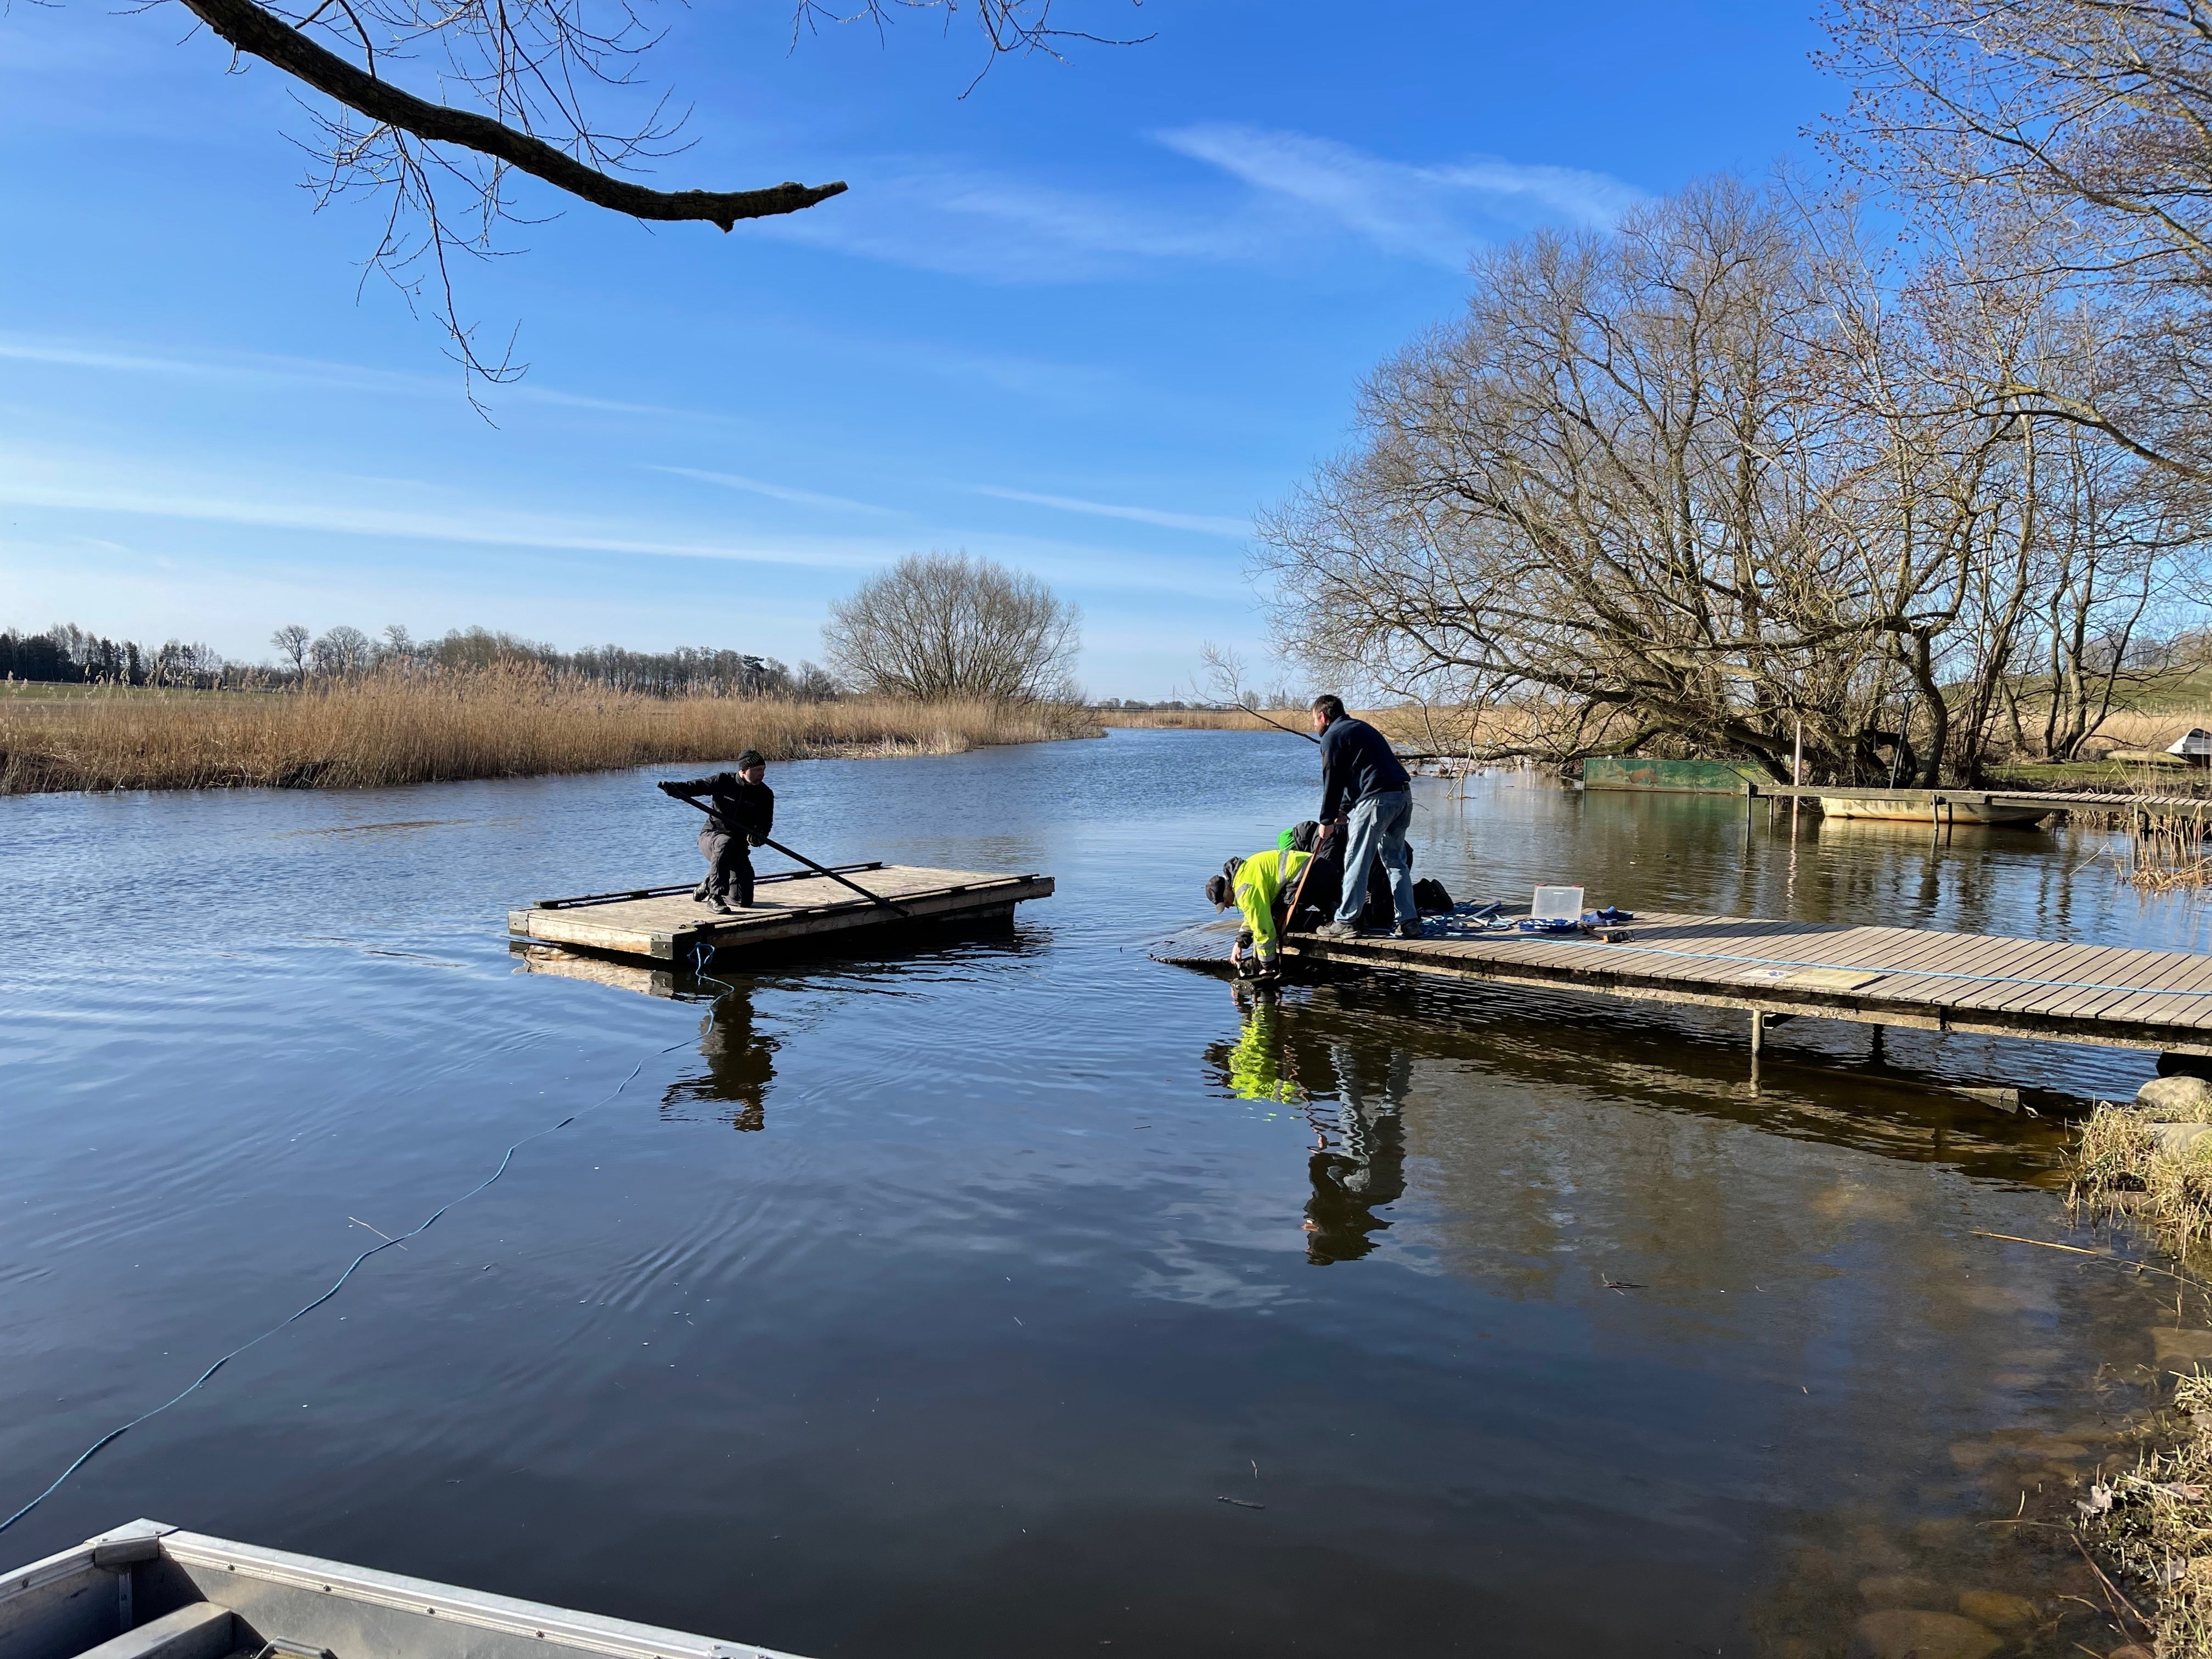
x: 1376, y: 829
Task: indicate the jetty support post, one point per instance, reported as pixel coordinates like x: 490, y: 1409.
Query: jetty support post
x: 1758, y: 1032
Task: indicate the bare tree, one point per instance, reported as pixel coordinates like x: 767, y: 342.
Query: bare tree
x: 342, y: 650
x: 292, y: 640
x: 1603, y: 499
x: 2082, y: 130
x: 946, y: 625
x: 1721, y: 475
x: 518, y: 85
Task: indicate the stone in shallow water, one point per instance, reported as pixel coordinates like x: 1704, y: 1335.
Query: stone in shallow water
x: 2181, y: 1140
x: 2175, y: 1095
x: 1997, y: 1608
x: 2177, y: 1350
x: 1897, y: 1589
x: 1914, y: 1633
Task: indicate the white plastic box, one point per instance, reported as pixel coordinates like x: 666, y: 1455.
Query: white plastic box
x: 1557, y: 905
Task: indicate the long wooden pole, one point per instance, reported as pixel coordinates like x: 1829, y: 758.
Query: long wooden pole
x: 818, y: 869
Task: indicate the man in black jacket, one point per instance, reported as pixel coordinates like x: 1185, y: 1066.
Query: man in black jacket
x: 740, y: 811
x: 1367, y: 797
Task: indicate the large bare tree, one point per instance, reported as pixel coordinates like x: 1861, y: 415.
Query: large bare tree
x: 946, y: 625
x: 519, y: 87
x: 1721, y: 475
x: 2075, y: 137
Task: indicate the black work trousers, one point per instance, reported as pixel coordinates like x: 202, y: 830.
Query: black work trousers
x: 729, y: 867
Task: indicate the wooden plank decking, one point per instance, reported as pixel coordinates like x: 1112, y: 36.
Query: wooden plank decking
x: 664, y: 924
x: 2102, y: 994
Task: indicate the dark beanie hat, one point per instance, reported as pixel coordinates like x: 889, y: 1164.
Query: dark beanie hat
x: 751, y: 758
x: 1217, y: 891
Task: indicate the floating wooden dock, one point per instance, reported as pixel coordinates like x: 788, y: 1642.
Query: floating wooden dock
x: 665, y: 924
x: 2102, y: 994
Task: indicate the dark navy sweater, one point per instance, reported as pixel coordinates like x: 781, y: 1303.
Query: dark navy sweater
x: 1356, y: 762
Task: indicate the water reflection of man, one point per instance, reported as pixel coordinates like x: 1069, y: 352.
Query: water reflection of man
x: 741, y: 1065
x: 1367, y: 1167
x: 1359, y: 1160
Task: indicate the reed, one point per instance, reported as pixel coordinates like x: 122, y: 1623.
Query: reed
x: 512, y: 721
x: 1202, y: 719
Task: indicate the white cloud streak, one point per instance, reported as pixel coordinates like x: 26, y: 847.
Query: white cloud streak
x: 1428, y: 212
x: 1203, y: 524
x: 260, y: 369
x: 106, y: 485
x: 774, y: 491
x: 1296, y: 191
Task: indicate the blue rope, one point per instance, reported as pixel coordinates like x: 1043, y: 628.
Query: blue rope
x: 113, y: 1434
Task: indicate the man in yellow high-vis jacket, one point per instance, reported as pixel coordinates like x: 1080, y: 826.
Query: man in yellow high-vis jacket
x: 1256, y: 886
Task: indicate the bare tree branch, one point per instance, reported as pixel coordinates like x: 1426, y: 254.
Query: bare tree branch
x: 250, y: 29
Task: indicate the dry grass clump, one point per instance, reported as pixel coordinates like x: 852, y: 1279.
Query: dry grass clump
x: 508, y: 721
x: 2124, y: 1166
x: 2156, y: 1525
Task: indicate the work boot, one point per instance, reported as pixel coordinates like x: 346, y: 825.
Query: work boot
x: 700, y: 895
x: 729, y: 907
x: 1336, y: 930
x: 1411, y: 930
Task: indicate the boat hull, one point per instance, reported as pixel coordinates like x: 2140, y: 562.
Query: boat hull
x: 1912, y: 812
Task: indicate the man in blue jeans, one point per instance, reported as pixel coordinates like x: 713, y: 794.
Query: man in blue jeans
x: 1365, y: 796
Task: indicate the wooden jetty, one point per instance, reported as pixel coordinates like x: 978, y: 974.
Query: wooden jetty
x: 1945, y: 808
x: 2106, y: 995
x: 665, y: 924
x: 148, y: 1591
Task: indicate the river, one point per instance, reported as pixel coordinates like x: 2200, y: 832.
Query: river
x: 934, y: 1305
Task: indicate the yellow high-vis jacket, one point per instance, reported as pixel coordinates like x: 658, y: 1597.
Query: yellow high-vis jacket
x: 1262, y: 880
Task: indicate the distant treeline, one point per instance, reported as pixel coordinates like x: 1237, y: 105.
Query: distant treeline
x: 67, y: 655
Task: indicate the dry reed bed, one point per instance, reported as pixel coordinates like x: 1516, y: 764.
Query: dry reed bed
x: 2154, y: 1524
x: 501, y: 722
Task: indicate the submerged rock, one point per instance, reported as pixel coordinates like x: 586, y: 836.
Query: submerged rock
x: 2180, y: 1139
x: 1998, y: 1608
x: 1915, y: 1633
x: 2173, y: 1098
x: 2178, y: 1350
x: 1897, y: 1589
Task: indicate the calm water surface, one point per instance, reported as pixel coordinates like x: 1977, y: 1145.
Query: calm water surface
x: 932, y: 1305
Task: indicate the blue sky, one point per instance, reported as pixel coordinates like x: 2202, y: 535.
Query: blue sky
x: 1086, y: 321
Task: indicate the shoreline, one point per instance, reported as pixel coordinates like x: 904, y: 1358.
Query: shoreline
x: 382, y: 731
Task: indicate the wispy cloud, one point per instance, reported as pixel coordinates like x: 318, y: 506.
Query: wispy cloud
x: 1296, y: 191
x: 357, y: 507
x: 1424, y: 211
x: 1203, y: 524
x: 253, y: 369
x: 774, y: 492
x: 983, y: 223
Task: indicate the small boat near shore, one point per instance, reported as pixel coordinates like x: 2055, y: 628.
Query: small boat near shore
x: 149, y: 1591
x: 1944, y: 809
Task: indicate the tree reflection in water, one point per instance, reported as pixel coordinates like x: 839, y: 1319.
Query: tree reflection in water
x: 741, y: 1065
x: 1352, y: 1096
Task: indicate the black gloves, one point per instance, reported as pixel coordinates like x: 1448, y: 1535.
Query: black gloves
x: 672, y: 790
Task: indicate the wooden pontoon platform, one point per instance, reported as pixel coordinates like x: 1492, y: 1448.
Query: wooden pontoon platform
x: 665, y: 924
x: 2102, y: 994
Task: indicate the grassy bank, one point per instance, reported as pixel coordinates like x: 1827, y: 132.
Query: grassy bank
x: 2151, y: 1164
x: 420, y: 728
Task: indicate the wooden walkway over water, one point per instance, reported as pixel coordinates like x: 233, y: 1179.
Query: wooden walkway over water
x: 666, y: 925
x: 2102, y: 994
